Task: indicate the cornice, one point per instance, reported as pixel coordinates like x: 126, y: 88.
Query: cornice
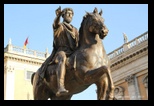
x: 23, y: 59
x: 129, y: 58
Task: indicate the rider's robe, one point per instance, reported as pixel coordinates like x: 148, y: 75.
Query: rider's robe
x: 65, y: 39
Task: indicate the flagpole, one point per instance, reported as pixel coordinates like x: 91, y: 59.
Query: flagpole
x: 28, y: 43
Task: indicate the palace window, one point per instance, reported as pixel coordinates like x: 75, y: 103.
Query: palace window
x: 28, y: 75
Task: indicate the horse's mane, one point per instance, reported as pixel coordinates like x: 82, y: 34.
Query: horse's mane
x: 81, y: 28
x: 84, y: 22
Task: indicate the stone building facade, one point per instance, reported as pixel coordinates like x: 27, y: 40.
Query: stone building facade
x: 19, y: 64
x: 129, y: 68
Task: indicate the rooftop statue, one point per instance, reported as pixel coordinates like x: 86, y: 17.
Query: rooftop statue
x: 125, y: 38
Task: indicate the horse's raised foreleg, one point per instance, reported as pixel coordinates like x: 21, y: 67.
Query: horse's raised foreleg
x: 111, y: 85
x: 94, y: 75
x: 102, y: 86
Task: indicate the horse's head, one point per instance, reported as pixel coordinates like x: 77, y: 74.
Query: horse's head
x: 95, y: 23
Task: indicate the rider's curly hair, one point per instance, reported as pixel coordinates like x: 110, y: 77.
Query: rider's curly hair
x: 65, y: 10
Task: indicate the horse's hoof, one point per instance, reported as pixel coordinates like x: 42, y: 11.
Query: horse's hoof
x: 60, y: 93
x: 111, y: 98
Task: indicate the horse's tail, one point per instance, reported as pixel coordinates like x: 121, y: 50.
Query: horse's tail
x: 32, y: 77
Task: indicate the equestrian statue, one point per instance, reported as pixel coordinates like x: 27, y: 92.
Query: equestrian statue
x: 77, y: 61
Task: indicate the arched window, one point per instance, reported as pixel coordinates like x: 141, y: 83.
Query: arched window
x: 119, y: 93
x: 145, y: 82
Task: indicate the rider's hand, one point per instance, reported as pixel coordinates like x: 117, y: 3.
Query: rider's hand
x: 58, y: 11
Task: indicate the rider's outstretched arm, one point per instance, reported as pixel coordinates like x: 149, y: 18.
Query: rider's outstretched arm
x: 57, y: 19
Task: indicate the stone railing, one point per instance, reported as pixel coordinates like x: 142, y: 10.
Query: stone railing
x: 143, y: 37
x: 20, y: 50
x: 118, y: 51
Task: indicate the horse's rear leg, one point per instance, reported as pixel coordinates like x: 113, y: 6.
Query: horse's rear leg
x: 64, y: 97
x: 40, y: 94
x: 40, y: 91
x: 102, y: 86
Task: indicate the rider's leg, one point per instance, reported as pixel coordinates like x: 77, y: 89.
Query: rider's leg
x: 60, y: 71
x: 44, y: 66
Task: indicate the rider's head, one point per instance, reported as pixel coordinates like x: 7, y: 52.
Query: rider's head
x: 67, y: 14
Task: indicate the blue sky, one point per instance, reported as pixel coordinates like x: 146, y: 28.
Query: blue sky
x: 35, y: 21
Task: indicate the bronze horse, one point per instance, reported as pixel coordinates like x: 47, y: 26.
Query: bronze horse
x: 88, y: 65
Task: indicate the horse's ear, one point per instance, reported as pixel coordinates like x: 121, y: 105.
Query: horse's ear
x: 101, y: 12
x: 85, y: 16
x: 87, y: 13
x: 95, y: 10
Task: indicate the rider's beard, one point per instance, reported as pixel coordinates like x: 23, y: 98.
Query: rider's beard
x: 68, y: 19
